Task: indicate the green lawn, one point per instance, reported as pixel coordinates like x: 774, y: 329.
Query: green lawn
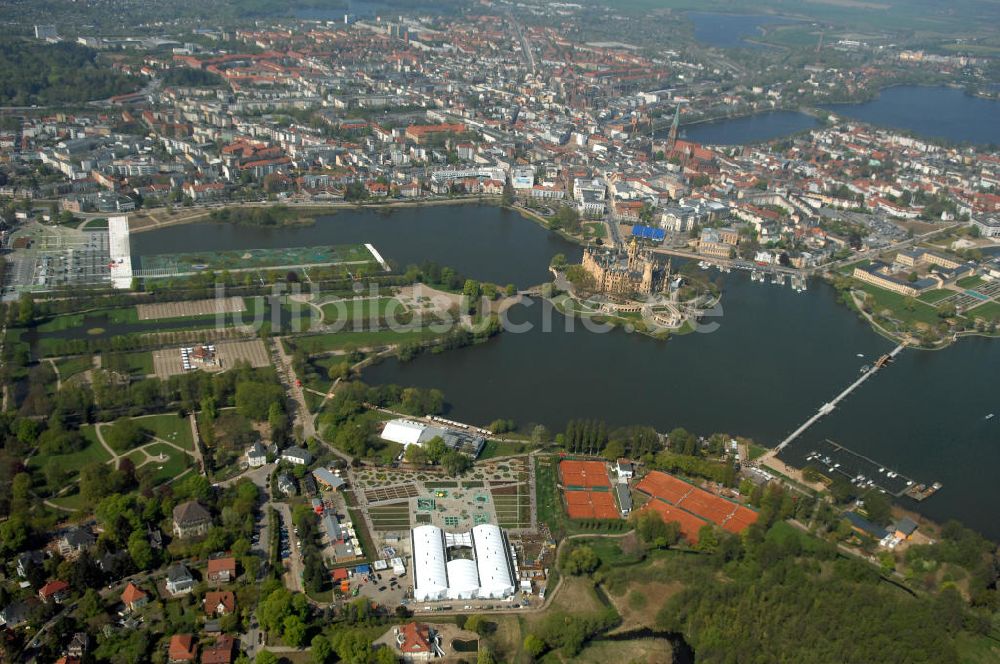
x: 169, y: 427
x: 321, y: 343
x: 362, y: 311
x: 136, y: 364
x: 71, y: 463
x: 595, y: 229
x: 174, y: 465
x: 883, y: 299
x: 495, y: 448
x: 987, y: 310
x: 970, y: 282
x: 934, y: 296
x: 72, y: 500
x: 973, y: 649
x: 71, y: 366
x: 550, y: 509
x: 95, y: 224
x: 70, y: 321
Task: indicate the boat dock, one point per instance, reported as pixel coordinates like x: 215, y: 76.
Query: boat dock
x: 866, y: 473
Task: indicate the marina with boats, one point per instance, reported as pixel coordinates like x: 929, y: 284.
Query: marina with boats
x: 866, y: 473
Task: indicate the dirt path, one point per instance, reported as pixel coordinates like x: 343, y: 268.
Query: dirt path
x: 100, y: 438
x: 196, y: 438
x: 55, y: 369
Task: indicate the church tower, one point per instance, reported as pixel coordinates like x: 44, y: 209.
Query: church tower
x: 674, y: 127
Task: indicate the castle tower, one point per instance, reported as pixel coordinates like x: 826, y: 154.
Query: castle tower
x: 646, y: 287
x: 633, y: 254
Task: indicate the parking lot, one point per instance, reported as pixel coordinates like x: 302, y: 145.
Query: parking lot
x: 48, y: 257
x: 169, y: 362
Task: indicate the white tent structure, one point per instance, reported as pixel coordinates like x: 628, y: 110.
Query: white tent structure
x: 430, y: 575
x: 404, y: 432
x: 490, y: 571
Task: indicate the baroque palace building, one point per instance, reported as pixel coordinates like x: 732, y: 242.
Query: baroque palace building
x: 630, y: 272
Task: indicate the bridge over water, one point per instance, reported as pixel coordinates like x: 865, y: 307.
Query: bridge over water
x: 828, y: 407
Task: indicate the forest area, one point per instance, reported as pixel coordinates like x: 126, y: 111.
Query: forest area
x: 44, y: 74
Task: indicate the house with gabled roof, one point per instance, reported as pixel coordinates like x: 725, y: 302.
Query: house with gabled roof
x: 221, y: 570
x: 133, y: 597
x: 54, y: 591
x: 219, y: 603
x: 181, y: 649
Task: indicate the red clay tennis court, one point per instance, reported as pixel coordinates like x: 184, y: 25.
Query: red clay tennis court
x: 591, y: 505
x: 583, y: 474
x: 689, y: 523
x: 661, y: 485
x: 697, y: 502
x: 741, y: 519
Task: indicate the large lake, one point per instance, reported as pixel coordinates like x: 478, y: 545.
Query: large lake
x: 732, y: 30
x: 484, y: 241
x: 930, y: 112
x: 755, y: 128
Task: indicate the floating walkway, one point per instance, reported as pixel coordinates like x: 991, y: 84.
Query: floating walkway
x: 861, y: 470
x: 828, y: 408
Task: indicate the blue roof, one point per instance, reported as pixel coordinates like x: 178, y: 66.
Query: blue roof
x: 363, y: 569
x: 647, y: 233
x: 864, y: 524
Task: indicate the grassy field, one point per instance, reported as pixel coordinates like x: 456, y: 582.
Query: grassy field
x: 362, y: 311
x: 135, y: 364
x: 576, y: 596
x: 550, y: 509
x: 322, y: 343
x: 637, y: 650
x: 495, y: 448
x: 595, y: 229
x: 970, y: 282
x: 62, y: 322
x: 792, y: 36
x: 977, y: 649
x: 987, y: 310
x: 73, y: 500
x: 162, y: 471
x: 936, y: 295
x: 71, y: 366
x: 169, y: 427
x: 71, y: 463
x: 882, y: 299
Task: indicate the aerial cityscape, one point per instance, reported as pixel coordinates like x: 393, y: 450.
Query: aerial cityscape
x: 651, y: 331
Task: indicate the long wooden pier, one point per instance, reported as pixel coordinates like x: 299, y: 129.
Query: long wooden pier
x: 828, y: 407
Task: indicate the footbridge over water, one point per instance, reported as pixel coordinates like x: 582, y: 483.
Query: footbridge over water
x: 828, y: 407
